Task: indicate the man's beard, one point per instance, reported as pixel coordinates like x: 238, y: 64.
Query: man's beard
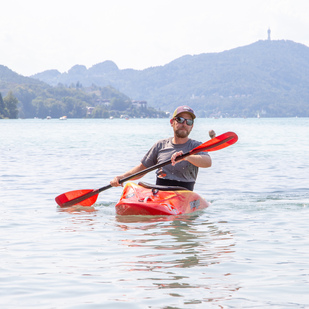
x: 182, y: 133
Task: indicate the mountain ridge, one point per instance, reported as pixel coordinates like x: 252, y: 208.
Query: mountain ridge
x: 267, y: 78
x: 264, y: 73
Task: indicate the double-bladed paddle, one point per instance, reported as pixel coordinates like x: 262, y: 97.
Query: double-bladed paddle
x: 89, y: 197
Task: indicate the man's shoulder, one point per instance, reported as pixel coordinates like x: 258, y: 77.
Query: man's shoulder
x: 164, y: 141
x: 194, y: 142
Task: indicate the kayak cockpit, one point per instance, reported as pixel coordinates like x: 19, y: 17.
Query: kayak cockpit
x: 148, y: 199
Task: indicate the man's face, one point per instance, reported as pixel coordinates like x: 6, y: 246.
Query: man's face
x: 182, y: 130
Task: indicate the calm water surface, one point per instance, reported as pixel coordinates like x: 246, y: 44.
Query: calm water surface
x: 249, y: 249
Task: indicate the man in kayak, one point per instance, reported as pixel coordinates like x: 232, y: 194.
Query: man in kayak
x: 184, y: 173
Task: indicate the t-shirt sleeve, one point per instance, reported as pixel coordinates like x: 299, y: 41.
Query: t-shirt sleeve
x: 150, y: 157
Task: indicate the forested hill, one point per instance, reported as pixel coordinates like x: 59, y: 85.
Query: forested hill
x: 269, y: 78
x: 25, y: 97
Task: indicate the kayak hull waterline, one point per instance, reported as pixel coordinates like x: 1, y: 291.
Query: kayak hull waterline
x: 145, y: 199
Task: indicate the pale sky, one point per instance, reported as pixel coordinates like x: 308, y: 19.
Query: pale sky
x: 39, y: 35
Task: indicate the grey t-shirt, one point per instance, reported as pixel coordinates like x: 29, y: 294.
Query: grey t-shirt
x: 162, y: 151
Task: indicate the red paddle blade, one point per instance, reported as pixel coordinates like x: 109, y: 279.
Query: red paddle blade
x: 64, y: 199
x: 217, y: 143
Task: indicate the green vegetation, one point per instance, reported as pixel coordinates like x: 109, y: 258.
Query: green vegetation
x: 37, y: 99
x: 8, y: 106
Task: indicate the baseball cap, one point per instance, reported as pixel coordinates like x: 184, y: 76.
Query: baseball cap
x: 184, y: 109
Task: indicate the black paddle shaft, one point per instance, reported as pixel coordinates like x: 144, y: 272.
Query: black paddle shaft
x: 198, y: 149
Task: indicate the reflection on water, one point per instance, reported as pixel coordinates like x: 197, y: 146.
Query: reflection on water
x: 77, y: 209
x: 185, y: 258
x: 174, y: 243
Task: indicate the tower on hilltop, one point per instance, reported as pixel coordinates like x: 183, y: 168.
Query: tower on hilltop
x: 268, y: 33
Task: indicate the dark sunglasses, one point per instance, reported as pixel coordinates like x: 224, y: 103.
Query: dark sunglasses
x: 182, y: 120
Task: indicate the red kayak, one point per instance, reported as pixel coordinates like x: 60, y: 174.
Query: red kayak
x: 154, y: 200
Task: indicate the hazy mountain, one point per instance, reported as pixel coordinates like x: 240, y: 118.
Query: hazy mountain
x: 266, y: 77
x: 9, y: 79
x: 269, y: 78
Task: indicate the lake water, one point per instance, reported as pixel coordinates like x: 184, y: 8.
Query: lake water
x: 249, y: 249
